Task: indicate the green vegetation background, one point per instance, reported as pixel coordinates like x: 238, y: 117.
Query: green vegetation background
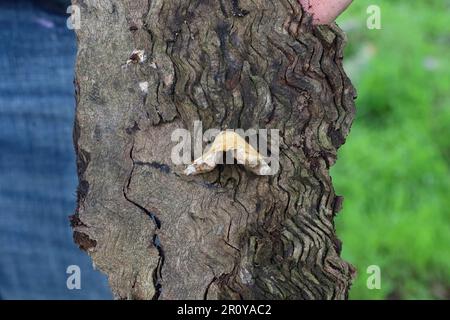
x: 394, y: 170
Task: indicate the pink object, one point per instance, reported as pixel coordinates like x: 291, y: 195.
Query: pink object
x: 45, y: 23
x: 325, y: 11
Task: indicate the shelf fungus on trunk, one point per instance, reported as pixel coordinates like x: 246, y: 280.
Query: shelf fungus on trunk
x: 232, y: 143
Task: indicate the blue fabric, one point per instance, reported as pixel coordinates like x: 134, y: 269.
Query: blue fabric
x: 37, y: 162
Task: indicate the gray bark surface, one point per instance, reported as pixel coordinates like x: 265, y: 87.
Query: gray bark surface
x: 228, y: 234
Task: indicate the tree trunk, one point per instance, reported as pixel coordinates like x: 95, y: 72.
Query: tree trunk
x: 227, y: 234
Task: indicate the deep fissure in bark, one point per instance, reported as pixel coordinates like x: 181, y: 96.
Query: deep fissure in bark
x: 227, y: 234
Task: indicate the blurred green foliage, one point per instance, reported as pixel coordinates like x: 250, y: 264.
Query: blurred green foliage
x: 394, y: 170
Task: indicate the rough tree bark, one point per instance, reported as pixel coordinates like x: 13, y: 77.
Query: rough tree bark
x: 228, y: 234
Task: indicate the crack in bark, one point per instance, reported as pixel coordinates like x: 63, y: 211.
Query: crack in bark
x: 205, y: 295
x: 237, y: 11
x: 155, y: 239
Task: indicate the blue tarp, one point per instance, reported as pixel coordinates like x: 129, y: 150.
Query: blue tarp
x: 37, y: 161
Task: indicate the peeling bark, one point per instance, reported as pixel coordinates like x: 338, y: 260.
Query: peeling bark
x: 228, y: 234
